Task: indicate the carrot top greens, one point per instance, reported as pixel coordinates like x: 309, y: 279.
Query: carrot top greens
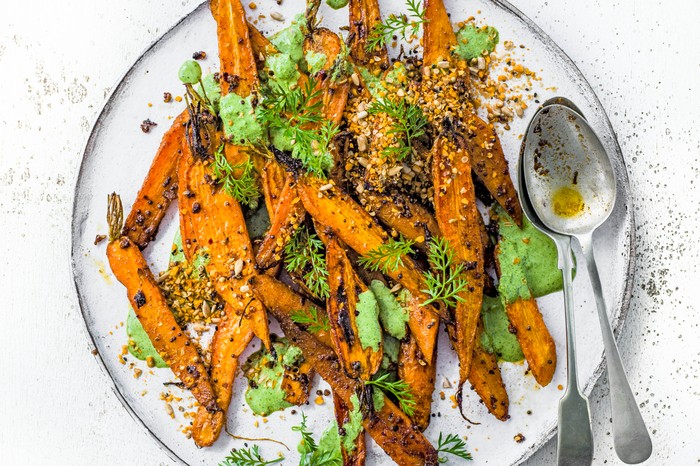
x: 244, y: 188
x: 248, y: 457
x: 304, y: 255
x: 295, y: 122
x: 444, y: 279
x: 314, y: 320
x: 404, y: 25
x: 397, y: 388
x: 409, y: 124
x: 387, y: 257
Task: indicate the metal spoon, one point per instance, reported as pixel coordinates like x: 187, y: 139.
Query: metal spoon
x: 562, y: 154
x: 575, y: 437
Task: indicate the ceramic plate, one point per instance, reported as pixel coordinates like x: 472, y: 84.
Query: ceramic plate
x: 117, y: 157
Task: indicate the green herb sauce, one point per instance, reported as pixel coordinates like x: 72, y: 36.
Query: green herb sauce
x: 315, y: 61
x: 496, y: 337
x: 212, y: 90
x: 368, y: 321
x: 239, y: 119
x: 337, y: 4
x: 354, y: 425
x: 140, y: 345
x: 392, y: 315
x: 290, y: 40
x: 527, y: 259
x: 265, y: 374
x: 283, y: 70
x: 472, y: 41
x: 373, y: 83
x: 391, y: 347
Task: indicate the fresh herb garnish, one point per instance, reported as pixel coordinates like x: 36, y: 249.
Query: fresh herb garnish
x: 308, y: 444
x: 304, y: 256
x: 243, y: 188
x: 452, y: 445
x: 399, y: 389
x: 297, y: 115
x: 310, y: 453
x: 409, y: 124
x: 247, y: 457
x: 397, y: 25
x: 387, y: 257
x: 314, y: 320
x: 444, y: 280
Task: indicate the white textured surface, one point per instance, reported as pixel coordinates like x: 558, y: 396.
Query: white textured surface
x: 59, y: 60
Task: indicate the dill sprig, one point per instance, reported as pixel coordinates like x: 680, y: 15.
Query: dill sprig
x: 243, y: 188
x: 304, y: 256
x: 308, y: 444
x: 310, y: 453
x: 399, y: 389
x: 396, y: 25
x: 409, y: 123
x: 314, y: 320
x: 388, y: 256
x: 297, y: 115
x: 452, y: 445
x: 444, y: 280
x: 247, y: 457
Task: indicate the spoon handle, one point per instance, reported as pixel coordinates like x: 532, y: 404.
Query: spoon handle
x: 575, y: 437
x: 630, y: 435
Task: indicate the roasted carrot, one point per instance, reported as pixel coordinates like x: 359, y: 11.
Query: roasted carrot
x: 261, y: 45
x: 279, y: 298
x: 219, y: 226
x: 158, y: 189
x: 342, y: 415
x: 534, y: 338
x: 351, y: 223
x: 273, y: 178
x: 458, y: 217
x: 287, y: 215
x: 345, y: 290
x: 230, y: 340
x: 149, y: 304
x: 481, y: 141
x: 389, y: 426
x: 490, y: 165
x: 364, y: 17
x: 238, y: 68
x: 409, y: 219
x: 438, y: 36
x: 415, y: 370
x: 485, y: 379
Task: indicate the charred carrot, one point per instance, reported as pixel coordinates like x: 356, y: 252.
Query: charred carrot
x: 351, y: 223
x: 485, y: 378
x: 415, y: 370
x: 346, y: 293
x: 230, y: 340
x: 149, y: 304
x: 238, y: 69
x: 458, y: 218
x: 158, y: 189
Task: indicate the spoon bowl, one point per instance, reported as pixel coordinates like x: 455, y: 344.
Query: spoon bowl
x: 569, y: 178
